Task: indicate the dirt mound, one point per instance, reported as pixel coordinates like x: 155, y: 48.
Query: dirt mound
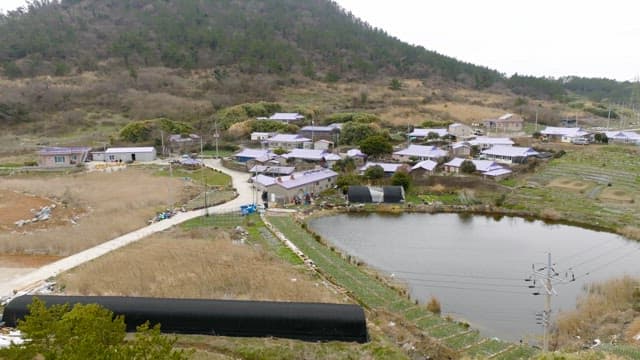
x: 570, y: 184
x: 615, y: 195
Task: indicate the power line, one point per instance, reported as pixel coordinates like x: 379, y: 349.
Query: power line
x: 606, y: 264
x: 462, y: 282
x: 601, y: 255
x: 457, y: 275
x: 471, y: 289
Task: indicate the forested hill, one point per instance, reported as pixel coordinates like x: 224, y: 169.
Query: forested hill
x: 313, y: 37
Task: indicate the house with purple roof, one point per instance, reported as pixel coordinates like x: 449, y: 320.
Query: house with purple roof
x: 312, y: 155
x: 285, y: 189
x: 420, y: 152
x: 486, y: 168
x: 59, y: 156
x: 389, y: 168
x: 289, y: 141
x: 509, y: 154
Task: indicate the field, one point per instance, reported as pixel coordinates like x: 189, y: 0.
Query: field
x: 596, y: 185
x: 207, y: 258
x: 91, y: 208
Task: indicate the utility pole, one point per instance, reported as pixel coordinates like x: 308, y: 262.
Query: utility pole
x: 546, y: 276
x: 216, y: 136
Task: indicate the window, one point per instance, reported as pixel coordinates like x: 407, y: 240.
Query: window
x: 59, y: 159
x: 74, y: 157
x: 112, y: 157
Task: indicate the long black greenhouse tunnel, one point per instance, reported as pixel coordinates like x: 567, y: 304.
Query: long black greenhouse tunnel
x: 293, y: 320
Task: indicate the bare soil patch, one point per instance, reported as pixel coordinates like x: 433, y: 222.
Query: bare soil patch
x: 106, y: 205
x: 15, y: 206
x: 570, y: 184
x: 616, y: 195
x: 197, y: 263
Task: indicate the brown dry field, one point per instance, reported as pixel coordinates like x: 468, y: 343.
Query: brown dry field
x: 569, y: 184
x: 197, y: 263
x: 107, y: 205
x: 615, y: 195
x: 16, y: 206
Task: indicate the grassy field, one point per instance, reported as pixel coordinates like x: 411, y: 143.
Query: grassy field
x: 375, y: 295
x: 205, y: 258
x: 199, y: 176
x: 107, y: 205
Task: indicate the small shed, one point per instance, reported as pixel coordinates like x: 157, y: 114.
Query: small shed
x: 130, y: 154
x: 367, y: 194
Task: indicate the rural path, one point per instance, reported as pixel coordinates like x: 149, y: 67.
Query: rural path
x: 36, y: 278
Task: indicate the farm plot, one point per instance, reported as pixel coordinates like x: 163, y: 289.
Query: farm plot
x: 595, y: 186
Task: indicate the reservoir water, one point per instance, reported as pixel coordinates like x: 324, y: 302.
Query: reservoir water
x: 476, y: 265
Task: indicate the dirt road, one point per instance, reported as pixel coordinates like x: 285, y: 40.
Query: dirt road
x: 36, y: 278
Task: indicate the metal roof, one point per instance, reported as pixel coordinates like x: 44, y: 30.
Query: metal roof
x: 419, y: 132
x: 511, y: 151
x: 311, y: 154
x: 296, y: 179
x: 422, y: 151
x: 121, y: 150
x: 427, y: 165
x: 62, y: 150
x: 388, y: 167
x: 286, y: 116
x: 288, y: 138
x: 571, y: 132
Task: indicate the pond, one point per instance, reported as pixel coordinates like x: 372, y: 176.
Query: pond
x: 476, y: 265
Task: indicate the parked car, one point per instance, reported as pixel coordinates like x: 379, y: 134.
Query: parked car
x: 580, y: 141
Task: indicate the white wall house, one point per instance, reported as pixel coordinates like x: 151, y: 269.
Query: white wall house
x: 563, y: 134
x: 509, y: 154
x: 129, y: 154
x: 284, y: 189
x: 420, y: 152
x: 623, y: 137
x: 422, y: 133
x: 289, y: 141
x: 261, y: 136
x: 485, y: 142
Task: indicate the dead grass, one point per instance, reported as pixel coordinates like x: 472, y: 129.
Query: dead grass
x: 197, y: 263
x: 603, y: 312
x: 109, y: 204
x: 631, y: 232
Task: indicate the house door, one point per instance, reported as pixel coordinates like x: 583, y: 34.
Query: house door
x: 133, y: 157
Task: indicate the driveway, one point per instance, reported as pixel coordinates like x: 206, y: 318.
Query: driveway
x: 32, y: 280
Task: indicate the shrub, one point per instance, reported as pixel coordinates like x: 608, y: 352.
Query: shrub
x: 401, y: 178
x: 374, y: 172
x: 467, y: 167
x: 376, y: 145
x: 434, y: 306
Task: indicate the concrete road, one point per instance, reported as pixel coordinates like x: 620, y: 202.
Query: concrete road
x: 32, y: 280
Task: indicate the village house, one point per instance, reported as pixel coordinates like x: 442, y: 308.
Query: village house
x: 260, y: 155
x: 287, y: 117
x: 261, y: 136
x: 623, y: 137
x: 461, y: 131
x: 286, y: 189
x: 505, y: 123
x: 486, y: 168
x: 62, y: 156
x: 126, y: 154
x: 509, y: 154
x: 329, y: 133
x: 289, y: 141
x: 564, y: 134
x: 389, y: 168
x: 420, y: 133
x: 358, y: 156
x: 423, y: 169
x: 323, y: 145
x: 315, y: 156
x: 420, y: 152
x: 486, y: 142
x: 182, y: 143
x: 273, y: 171
x: 461, y: 149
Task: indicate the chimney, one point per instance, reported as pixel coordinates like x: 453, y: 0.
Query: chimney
x: 279, y: 179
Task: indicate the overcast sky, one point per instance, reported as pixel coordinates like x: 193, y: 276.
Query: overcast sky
x: 542, y: 37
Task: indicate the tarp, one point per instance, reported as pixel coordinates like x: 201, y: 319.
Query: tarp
x: 359, y: 194
x: 393, y: 194
x: 303, y: 321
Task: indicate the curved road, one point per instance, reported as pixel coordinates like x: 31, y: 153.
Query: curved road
x: 33, y: 280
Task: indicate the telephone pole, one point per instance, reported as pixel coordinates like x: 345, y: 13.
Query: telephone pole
x: 546, y: 276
